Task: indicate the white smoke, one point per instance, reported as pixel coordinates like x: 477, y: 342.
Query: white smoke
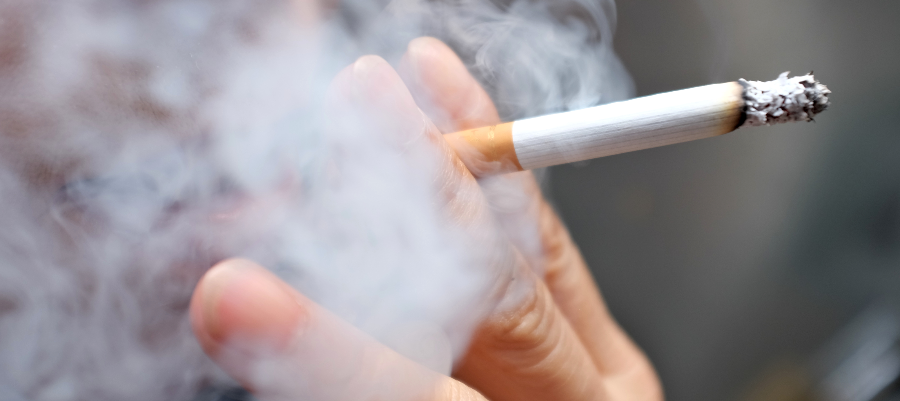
x: 144, y: 140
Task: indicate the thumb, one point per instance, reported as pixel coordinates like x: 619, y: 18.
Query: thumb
x: 282, y: 346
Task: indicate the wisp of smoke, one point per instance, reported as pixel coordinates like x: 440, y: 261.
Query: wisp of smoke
x: 141, y: 141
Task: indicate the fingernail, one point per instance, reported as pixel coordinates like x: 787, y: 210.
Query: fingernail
x: 243, y: 304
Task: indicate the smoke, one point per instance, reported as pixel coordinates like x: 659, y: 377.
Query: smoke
x: 141, y: 141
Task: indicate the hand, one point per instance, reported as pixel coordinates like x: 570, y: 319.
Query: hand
x: 550, y: 337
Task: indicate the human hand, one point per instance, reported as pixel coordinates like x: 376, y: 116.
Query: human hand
x: 549, y: 337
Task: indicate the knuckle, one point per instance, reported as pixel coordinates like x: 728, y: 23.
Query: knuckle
x: 528, y: 332
x: 558, y: 249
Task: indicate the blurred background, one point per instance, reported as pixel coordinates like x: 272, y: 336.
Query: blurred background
x: 763, y: 264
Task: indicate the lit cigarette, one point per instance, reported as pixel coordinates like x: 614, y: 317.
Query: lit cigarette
x: 636, y: 124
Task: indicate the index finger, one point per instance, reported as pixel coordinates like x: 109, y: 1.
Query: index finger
x: 438, y: 78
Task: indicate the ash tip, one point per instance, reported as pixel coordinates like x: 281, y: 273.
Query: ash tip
x: 784, y: 100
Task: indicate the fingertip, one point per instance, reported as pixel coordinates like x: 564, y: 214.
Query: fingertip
x: 385, y: 104
x: 376, y: 80
x: 240, y: 304
x: 368, y: 66
x: 426, y: 63
x: 430, y: 65
x: 440, y: 81
x: 364, y: 81
x: 341, y: 88
x: 427, y: 50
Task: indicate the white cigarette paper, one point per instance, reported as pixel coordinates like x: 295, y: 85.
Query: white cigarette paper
x: 621, y: 127
x: 641, y: 123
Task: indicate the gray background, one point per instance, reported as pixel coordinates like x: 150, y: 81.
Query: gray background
x: 732, y: 258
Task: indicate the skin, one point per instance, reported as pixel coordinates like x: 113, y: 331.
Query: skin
x: 550, y: 336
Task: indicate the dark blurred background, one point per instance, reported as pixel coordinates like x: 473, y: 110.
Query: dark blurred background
x: 760, y: 265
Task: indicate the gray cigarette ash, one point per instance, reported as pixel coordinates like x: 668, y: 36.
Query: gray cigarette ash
x: 784, y: 100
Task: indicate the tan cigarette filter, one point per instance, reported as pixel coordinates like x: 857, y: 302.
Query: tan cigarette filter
x: 605, y: 130
x: 487, y: 150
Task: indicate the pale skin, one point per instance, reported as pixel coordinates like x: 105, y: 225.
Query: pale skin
x: 558, y: 341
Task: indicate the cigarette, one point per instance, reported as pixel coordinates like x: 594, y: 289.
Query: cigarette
x: 640, y: 123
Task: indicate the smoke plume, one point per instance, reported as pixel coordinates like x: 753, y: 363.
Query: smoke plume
x: 141, y: 141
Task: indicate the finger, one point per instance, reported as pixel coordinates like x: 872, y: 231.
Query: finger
x: 438, y: 78
x: 526, y: 351
x: 627, y: 371
x: 443, y: 87
x: 456, y: 102
x: 387, y: 108
x: 282, y: 346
